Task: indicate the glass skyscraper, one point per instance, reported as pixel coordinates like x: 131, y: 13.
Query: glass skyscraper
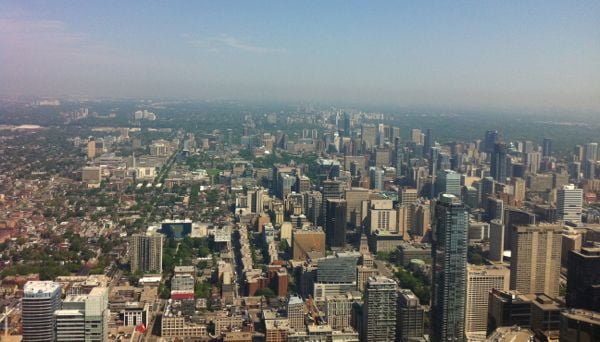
x: 449, y: 251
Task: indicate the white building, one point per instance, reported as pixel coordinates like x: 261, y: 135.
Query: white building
x: 569, y: 203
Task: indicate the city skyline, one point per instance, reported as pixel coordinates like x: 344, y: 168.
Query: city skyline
x: 509, y: 56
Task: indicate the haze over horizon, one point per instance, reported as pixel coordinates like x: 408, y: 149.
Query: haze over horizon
x: 537, y: 55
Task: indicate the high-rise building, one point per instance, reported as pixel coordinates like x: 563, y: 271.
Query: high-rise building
x: 449, y: 252
x: 295, y: 313
x: 508, y: 308
x: 407, y: 196
x: 382, y: 216
x: 368, y: 136
x: 146, y: 252
x: 40, y: 300
x: 347, y: 125
x: 491, y: 138
x: 376, y: 178
x: 379, y: 309
x: 332, y: 189
x: 448, y: 182
x: 91, y: 149
x: 415, y: 136
x: 579, y: 326
x: 335, y: 224
x: 535, y: 259
x: 480, y: 281
x: 532, y: 161
x: 410, y: 316
x: 338, y: 310
x: 590, y: 151
x: 547, y: 147
x: 499, y: 164
x: 496, y: 240
x: 583, y: 279
x: 428, y: 143
x: 569, y: 203
x: 84, y: 317
x: 354, y: 203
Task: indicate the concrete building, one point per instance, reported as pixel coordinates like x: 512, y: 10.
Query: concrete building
x: 410, y: 318
x: 295, y: 313
x: 535, y: 259
x: 508, y: 308
x: 308, y: 244
x: 84, y: 317
x: 579, y: 325
x: 480, y: 281
x: 382, y: 216
x: 379, y: 310
x: 583, y: 279
x: 40, y: 300
x: 338, y: 310
x: 146, y: 252
x: 569, y: 203
x: 496, y: 240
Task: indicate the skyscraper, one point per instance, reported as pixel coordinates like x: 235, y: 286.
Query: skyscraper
x: 40, y: 300
x: 480, y: 281
x: 448, y: 182
x: 146, y: 252
x: 335, y: 227
x: 347, y: 122
x: 590, y: 151
x: 496, y: 240
x: 379, y: 310
x: 547, y: 147
x: 410, y: 316
x: 583, y: 279
x: 569, y: 203
x: 449, y: 251
x: 498, y: 167
x: 491, y: 138
x: 535, y: 259
x: 376, y: 178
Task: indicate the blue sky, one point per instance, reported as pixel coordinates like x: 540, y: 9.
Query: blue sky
x: 476, y: 54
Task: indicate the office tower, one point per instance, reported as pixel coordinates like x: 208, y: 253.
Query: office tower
x: 547, y: 147
x: 410, y: 318
x: 332, y: 189
x: 569, y: 203
x: 415, y: 136
x: 40, y: 300
x: 84, y: 317
x: 376, y: 178
x: 535, y: 259
x: 433, y: 168
x: 498, y: 167
x: 313, y: 206
x: 532, y: 162
x: 589, y: 169
x: 515, y: 217
x: 494, y: 209
x: 354, y: 203
x: 579, y: 326
x: 382, y: 216
x: 379, y: 310
x: 470, y: 196
x: 508, y: 308
x: 399, y: 156
x: 491, y: 138
x: 407, y: 196
x: 496, y: 240
x: 146, y: 252
x: 335, y: 223
x: 91, y: 149
x: 449, y: 252
x: 347, y: 125
x: 448, y: 182
x: 528, y: 146
x: 295, y: 313
x: 368, y: 136
x: 519, y: 189
x: 338, y: 268
x: 257, y: 200
x: 480, y: 281
x: 583, y: 279
x: 575, y: 171
x: 488, y: 187
x: 428, y: 143
x: 590, y: 151
x: 338, y: 310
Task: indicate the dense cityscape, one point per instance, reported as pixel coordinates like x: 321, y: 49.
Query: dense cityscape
x: 299, y: 171
x: 139, y: 223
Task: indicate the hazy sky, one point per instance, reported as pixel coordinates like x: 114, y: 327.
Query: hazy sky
x: 496, y: 54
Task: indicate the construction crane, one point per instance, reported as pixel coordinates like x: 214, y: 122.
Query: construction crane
x: 4, y: 317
